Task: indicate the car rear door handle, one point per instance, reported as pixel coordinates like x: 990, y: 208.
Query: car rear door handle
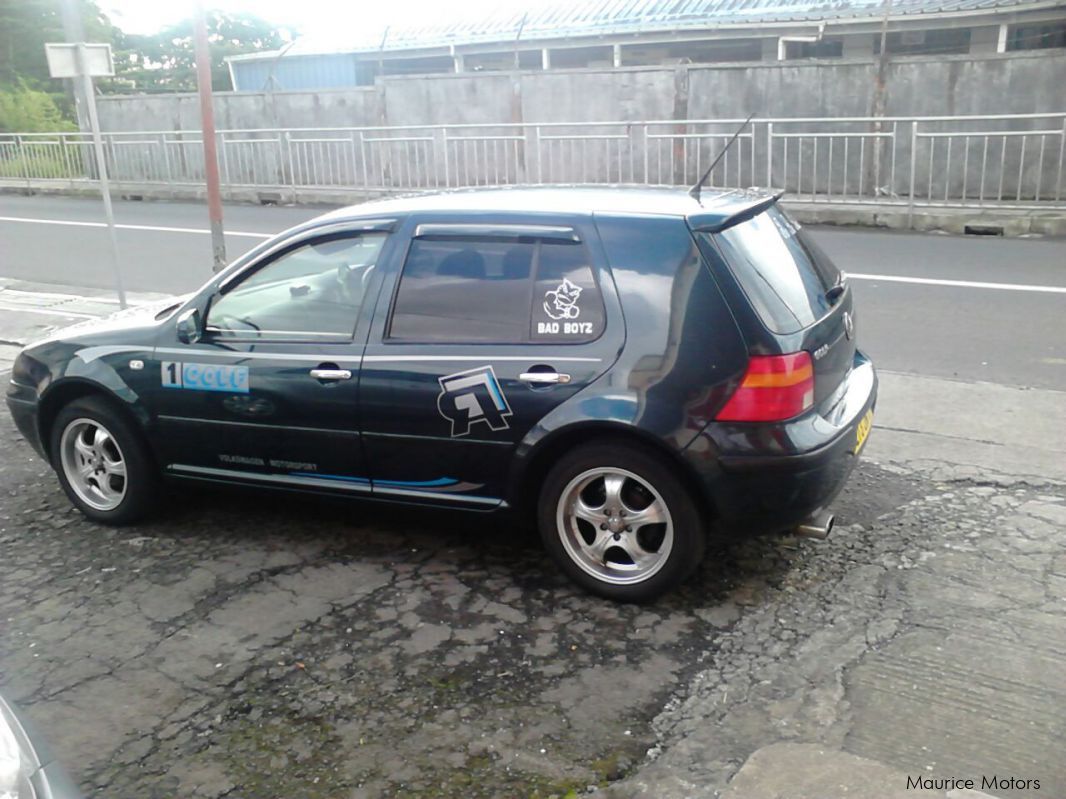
x: 544, y: 377
x: 331, y: 374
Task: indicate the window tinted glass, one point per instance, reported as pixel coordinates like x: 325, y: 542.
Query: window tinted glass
x: 314, y: 291
x: 783, y: 276
x: 499, y: 291
x: 567, y: 305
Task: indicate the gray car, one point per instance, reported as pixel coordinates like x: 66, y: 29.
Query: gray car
x: 27, y: 768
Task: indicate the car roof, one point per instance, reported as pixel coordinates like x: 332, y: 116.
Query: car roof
x: 715, y: 208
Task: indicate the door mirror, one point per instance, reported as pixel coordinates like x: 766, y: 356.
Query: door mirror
x: 189, y: 327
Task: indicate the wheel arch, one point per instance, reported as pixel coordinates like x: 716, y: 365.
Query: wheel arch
x: 61, y: 394
x: 529, y: 477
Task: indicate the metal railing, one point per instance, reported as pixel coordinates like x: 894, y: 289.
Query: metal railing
x: 1006, y: 161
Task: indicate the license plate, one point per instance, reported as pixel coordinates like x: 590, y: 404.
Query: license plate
x: 862, y: 431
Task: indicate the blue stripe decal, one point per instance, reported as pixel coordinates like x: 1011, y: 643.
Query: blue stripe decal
x: 440, y: 482
x: 497, y: 395
x: 360, y: 480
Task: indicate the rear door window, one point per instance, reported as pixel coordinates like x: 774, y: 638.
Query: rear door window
x: 566, y: 305
x: 496, y: 290
x: 784, y: 275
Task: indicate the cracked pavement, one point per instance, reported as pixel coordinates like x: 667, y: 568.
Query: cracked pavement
x: 250, y: 645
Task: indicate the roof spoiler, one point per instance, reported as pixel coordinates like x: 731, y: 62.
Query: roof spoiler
x: 743, y: 214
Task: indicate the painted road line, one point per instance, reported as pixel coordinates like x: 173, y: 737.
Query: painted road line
x: 153, y: 228
x: 968, y: 284
x: 924, y: 281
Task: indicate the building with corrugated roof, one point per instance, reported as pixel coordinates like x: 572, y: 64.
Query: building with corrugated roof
x: 633, y: 33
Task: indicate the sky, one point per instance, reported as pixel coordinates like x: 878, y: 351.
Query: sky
x: 325, y: 19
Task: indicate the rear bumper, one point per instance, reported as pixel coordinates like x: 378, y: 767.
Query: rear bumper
x: 22, y: 403
x: 765, y: 478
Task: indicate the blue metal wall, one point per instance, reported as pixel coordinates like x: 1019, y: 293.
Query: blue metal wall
x: 295, y: 72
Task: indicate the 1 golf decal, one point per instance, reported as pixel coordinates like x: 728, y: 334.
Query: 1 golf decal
x: 473, y: 396
x: 561, y: 303
x: 205, y: 377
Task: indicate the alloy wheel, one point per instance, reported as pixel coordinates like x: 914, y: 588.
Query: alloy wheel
x: 93, y: 464
x: 615, y: 526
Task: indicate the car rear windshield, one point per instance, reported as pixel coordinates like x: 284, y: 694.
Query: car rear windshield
x: 783, y: 273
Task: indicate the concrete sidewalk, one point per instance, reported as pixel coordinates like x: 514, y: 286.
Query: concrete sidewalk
x: 30, y: 311
x: 952, y: 429
x: 806, y: 771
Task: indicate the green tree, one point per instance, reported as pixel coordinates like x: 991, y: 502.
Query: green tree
x: 25, y: 26
x: 26, y: 110
x: 166, y: 61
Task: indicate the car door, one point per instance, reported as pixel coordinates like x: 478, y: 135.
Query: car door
x: 481, y: 332
x: 269, y: 394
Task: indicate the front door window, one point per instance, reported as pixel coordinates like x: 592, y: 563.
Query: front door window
x: 312, y: 293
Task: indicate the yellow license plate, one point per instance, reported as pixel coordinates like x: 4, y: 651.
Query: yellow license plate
x: 862, y: 431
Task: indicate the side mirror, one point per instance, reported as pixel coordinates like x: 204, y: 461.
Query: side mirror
x: 189, y: 327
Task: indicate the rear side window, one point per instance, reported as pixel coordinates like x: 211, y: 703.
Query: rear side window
x: 501, y: 291
x: 784, y: 275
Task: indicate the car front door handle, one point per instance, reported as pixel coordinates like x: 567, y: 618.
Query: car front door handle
x: 331, y: 374
x: 544, y: 377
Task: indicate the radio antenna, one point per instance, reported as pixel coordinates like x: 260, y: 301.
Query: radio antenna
x: 695, y: 190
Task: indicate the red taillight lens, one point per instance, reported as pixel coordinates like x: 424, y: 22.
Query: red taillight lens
x: 775, y: 387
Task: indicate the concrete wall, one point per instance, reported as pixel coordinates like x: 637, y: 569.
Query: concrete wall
x: 991, y: 84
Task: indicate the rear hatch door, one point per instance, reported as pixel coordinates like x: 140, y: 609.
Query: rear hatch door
x: 797, y: 294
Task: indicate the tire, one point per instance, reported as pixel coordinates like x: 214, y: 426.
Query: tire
x: 103, y: 462
x: 600, y: 551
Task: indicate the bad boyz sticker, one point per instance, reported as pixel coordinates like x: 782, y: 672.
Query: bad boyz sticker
x: 561, y: 306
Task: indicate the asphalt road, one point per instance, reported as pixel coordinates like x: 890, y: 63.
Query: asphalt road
x: 1015, y: 338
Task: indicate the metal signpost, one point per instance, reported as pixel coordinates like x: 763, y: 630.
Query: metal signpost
x: 84, y: 62
x: 207, y: 117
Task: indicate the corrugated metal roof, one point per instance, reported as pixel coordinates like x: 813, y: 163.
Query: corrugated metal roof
x: 561, y: 19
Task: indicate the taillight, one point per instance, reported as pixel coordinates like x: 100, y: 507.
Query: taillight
x: 775, y: 387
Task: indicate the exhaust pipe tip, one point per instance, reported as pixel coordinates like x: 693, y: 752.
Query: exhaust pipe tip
x: 819, y: 526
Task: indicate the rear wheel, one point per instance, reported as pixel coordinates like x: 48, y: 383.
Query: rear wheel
x: 102, y: 462
x: 619, y: 522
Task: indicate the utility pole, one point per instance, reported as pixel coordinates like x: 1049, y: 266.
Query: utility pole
x: 82, y: 62
x: 518, y: 36
x: 207, y: 124
x: 877, y: 109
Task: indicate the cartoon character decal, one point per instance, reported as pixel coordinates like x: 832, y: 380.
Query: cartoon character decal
x: 473, y: 396
x: 561, y: 303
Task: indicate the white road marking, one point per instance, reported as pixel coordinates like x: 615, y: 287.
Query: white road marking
x: 969, y: 284
x: 925, y: 281
x: 155, y: 228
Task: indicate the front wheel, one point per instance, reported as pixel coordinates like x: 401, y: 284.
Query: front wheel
x: 620, y: 523
x: 102, y: 462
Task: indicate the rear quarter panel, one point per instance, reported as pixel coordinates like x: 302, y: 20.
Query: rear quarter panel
x: 683, y: 353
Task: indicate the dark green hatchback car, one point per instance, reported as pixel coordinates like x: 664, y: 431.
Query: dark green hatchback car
x: 632, y: 366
